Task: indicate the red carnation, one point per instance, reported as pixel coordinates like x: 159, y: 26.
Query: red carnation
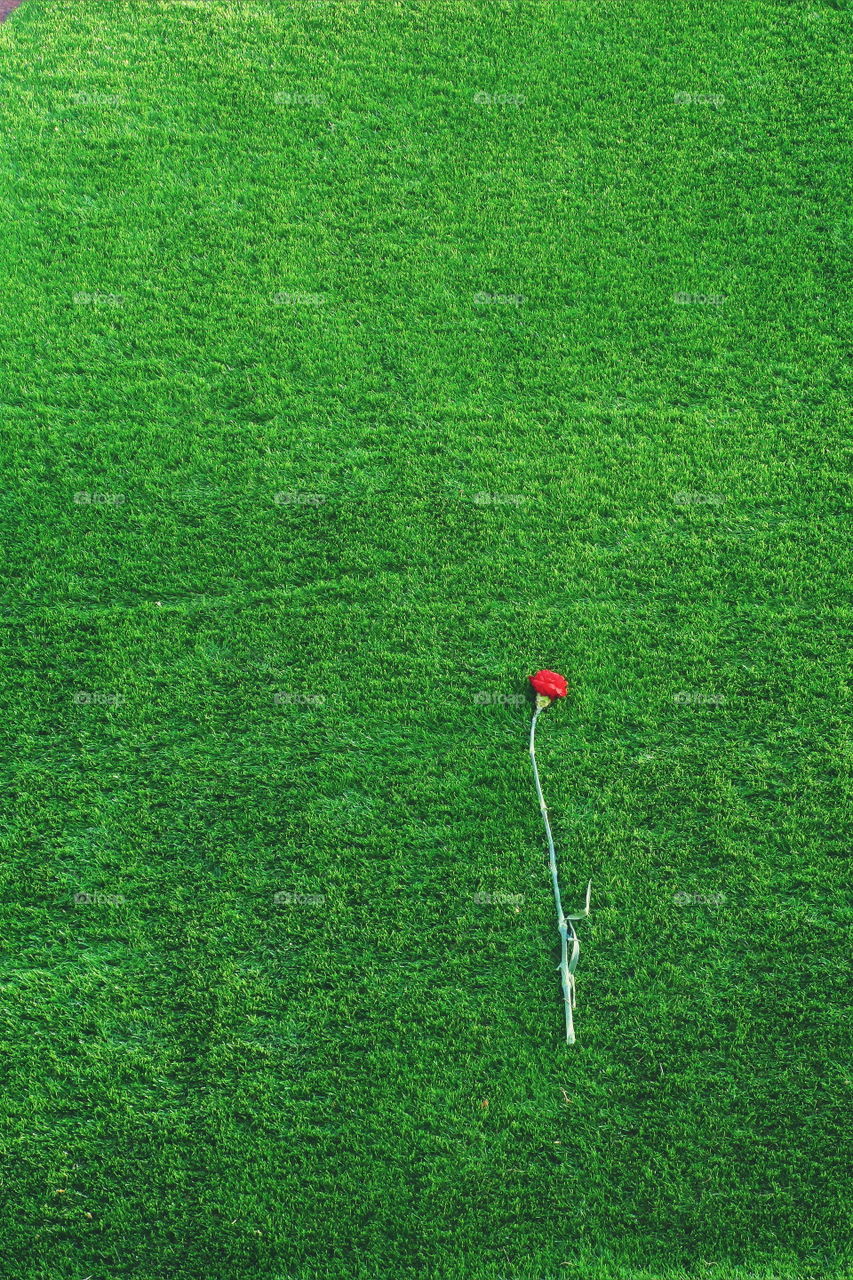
x: 550, y: 683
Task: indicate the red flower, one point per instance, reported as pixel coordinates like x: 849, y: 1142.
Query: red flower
x: 550, y: 683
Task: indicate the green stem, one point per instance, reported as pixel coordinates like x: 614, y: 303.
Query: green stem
x: 564, y: 922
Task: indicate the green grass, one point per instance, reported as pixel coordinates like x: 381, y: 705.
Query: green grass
x: 216, y: 694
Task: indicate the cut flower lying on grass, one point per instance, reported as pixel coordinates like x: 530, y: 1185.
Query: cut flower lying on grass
x: 548, y: 686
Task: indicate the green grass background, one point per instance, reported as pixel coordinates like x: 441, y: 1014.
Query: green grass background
x: 202, y: 1083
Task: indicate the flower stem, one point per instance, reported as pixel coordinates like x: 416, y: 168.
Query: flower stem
x: 564, y: 923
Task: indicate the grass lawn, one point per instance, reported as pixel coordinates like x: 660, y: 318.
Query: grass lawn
x: 359, y: 358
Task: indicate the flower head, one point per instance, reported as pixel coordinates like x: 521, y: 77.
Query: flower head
x: 550, y: 684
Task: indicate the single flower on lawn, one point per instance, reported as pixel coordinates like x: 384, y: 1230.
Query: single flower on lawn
x: 550, y: 685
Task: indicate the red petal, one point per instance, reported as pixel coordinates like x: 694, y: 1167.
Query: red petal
x: 551, y: 683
